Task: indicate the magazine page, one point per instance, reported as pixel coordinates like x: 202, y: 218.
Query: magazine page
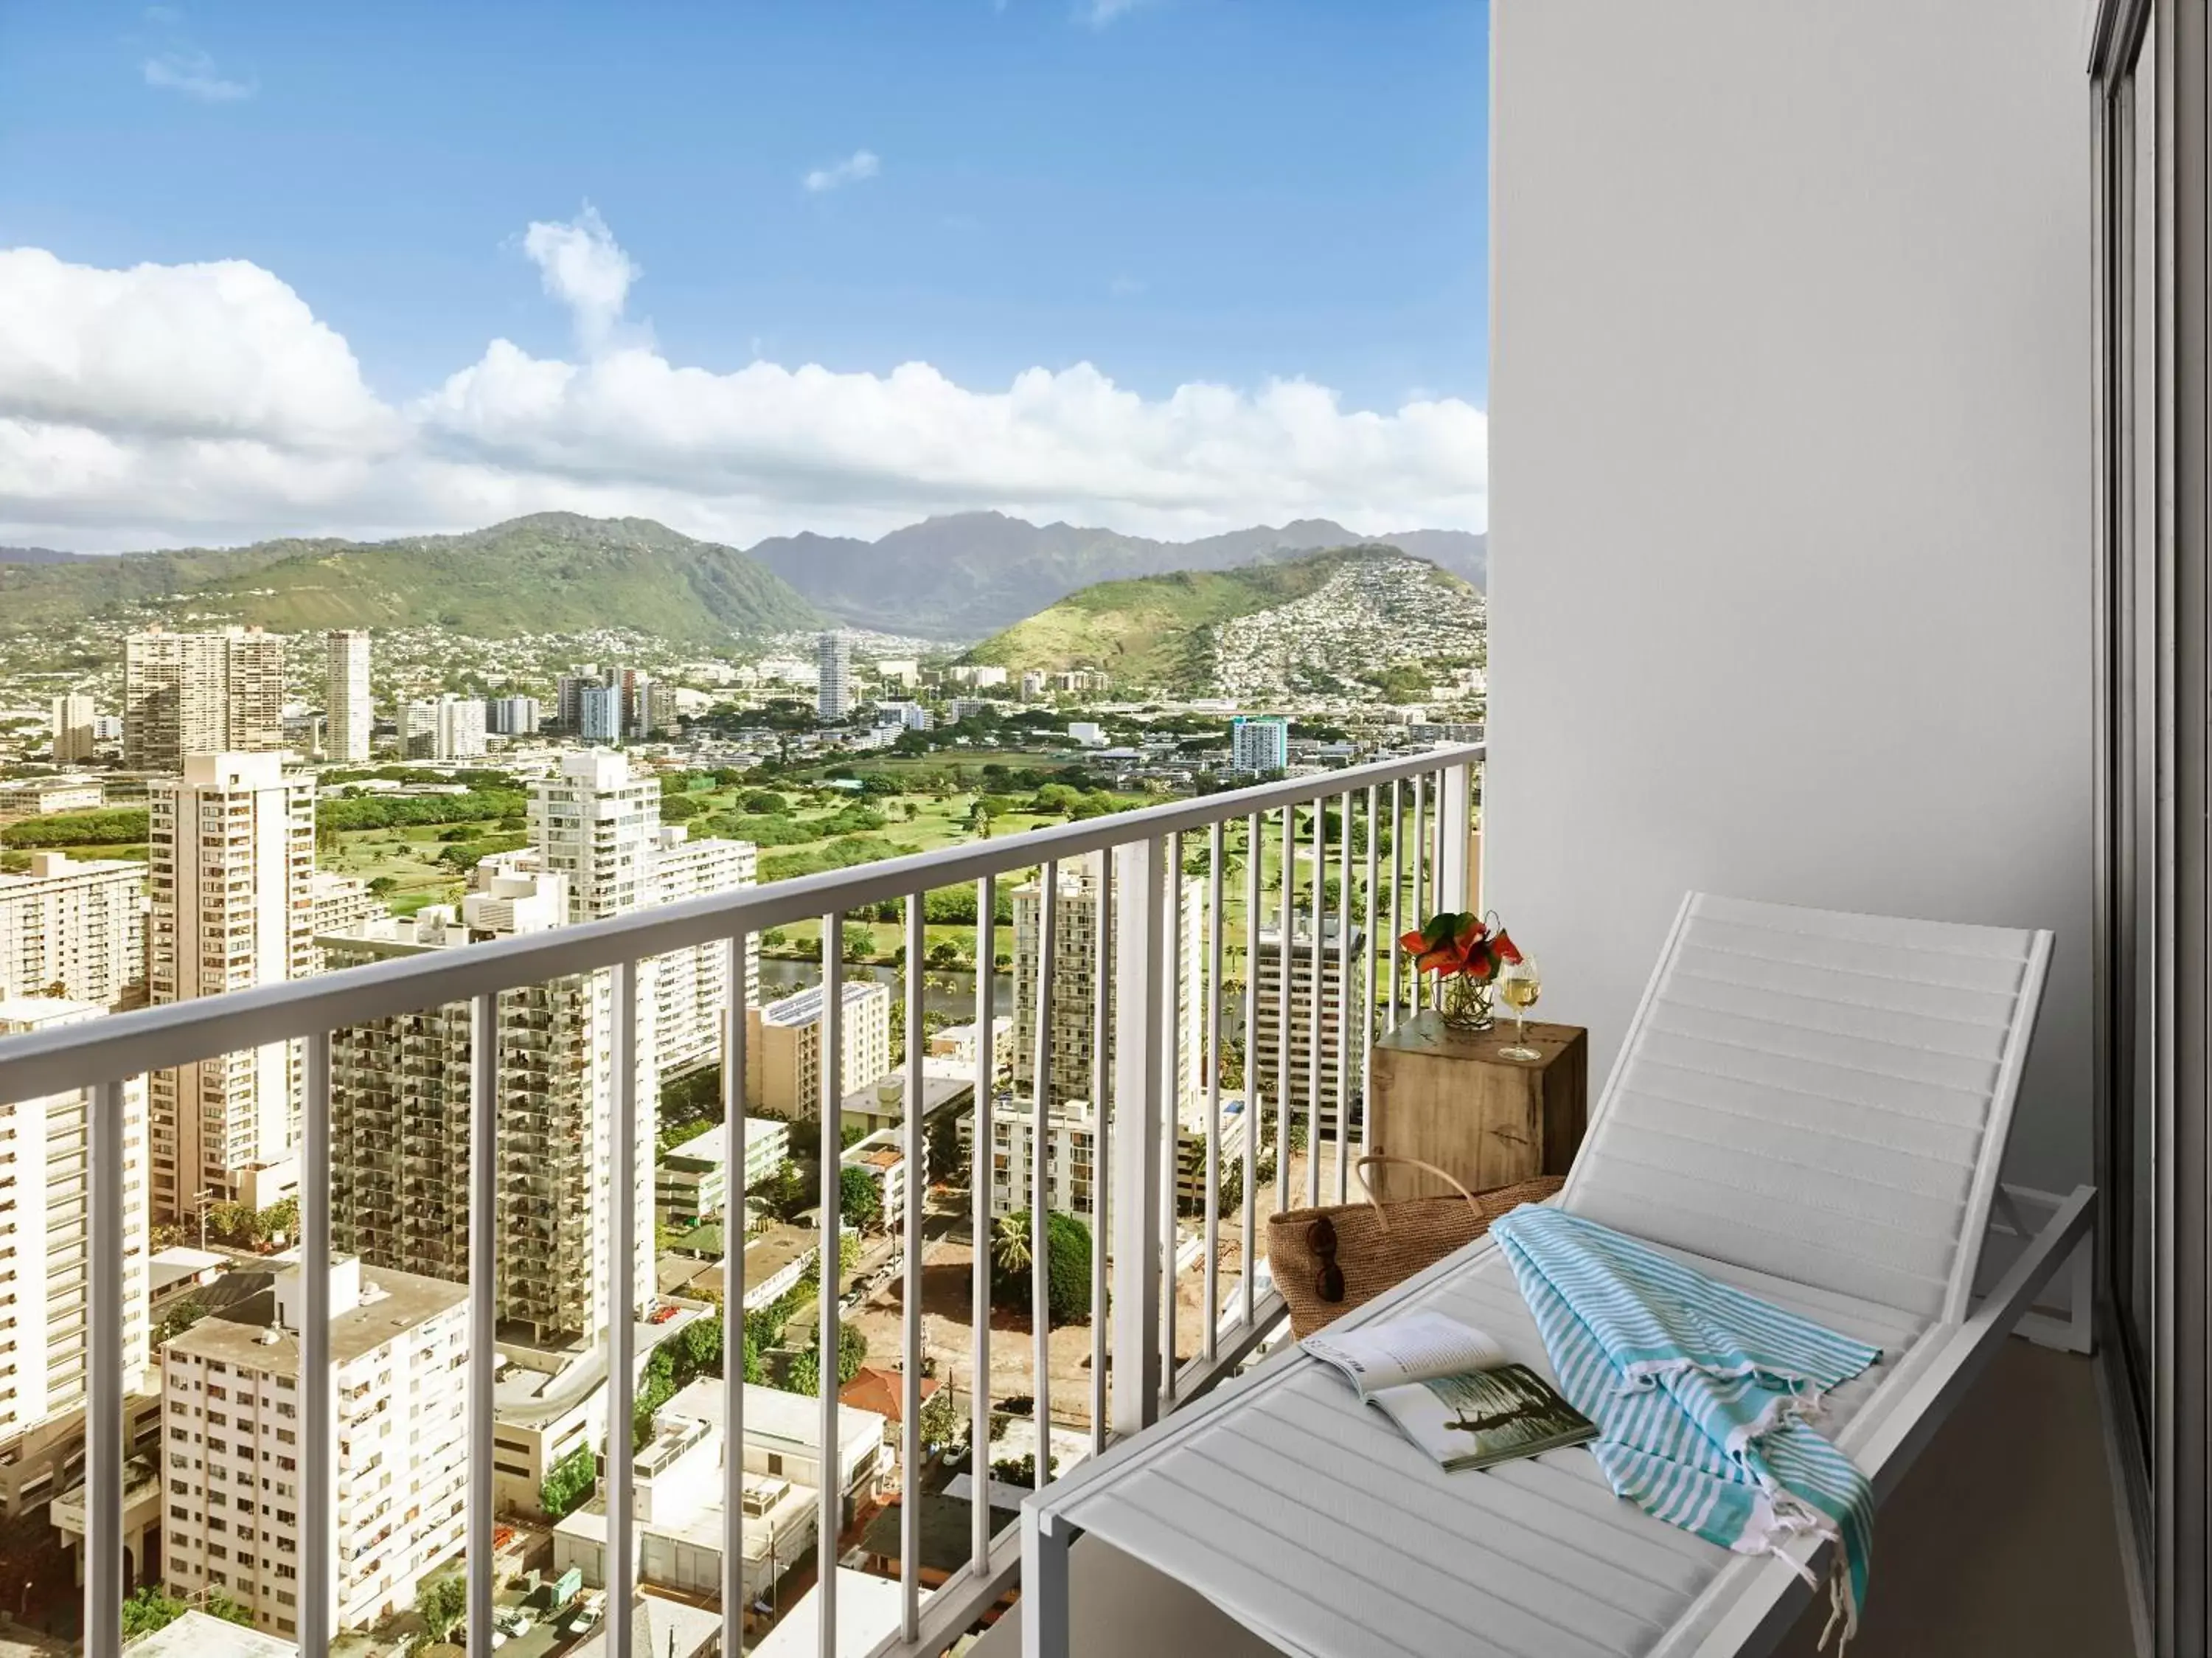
x: 1395, y: 1351
x: 1484, y: 1417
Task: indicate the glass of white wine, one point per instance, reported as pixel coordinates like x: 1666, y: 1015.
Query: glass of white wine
x: 1520, y: 984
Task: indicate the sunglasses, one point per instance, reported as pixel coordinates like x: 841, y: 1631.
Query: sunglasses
x: 1328, y: 1282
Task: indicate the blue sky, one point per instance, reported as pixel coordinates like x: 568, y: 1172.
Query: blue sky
x: 1181, y: 191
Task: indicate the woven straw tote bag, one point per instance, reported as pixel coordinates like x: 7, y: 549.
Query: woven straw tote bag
x: 1377, y: 1246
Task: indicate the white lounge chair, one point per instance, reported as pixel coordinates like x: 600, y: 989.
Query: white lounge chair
x: 1810, y: 1105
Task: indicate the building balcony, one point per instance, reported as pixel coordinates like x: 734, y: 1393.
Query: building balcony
x: 1849, y: 528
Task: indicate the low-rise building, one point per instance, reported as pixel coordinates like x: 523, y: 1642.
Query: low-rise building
x: 38, y: 797
x: 231, y: 1422
x: 1071, y: 1152
x: 678, y: 1495
x: 693, y: 1182
x: 549, y: 1404
x: 957, y: 1042
x: 783, y: 1047
x: 883, y: 1160
x: 946, y: 1085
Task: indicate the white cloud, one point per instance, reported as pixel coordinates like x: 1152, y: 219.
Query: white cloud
x: 206, y: 402
x: 1099, y: 13
x: 194, y: 74
x: 860, y: 165
x: 582, y: 267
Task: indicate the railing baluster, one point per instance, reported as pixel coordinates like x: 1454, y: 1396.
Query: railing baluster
x: 104, y: 1447
x: 829, y: 1512
x: 1343, y: 993
x: 317, y: 1448
x: 1102, y: 1144
x: 1421, y: 850
x: 1170, y: 1153
x: 735, y: 1194
x: 1254, y: 1116
x: 1397, y: 890
x: 1041, y: 1150
x: 916, y: 1187
x: 980, y: 1162
x: 1139, y: 965
x: 1316, y: 960
x: 1216, y: 843
x: 1285, y: 955
x: 1367, y: 978
x: 622, y: 1333
x: 483, y: 1279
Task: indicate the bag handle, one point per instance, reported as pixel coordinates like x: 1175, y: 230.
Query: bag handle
x: 1382, y: 1212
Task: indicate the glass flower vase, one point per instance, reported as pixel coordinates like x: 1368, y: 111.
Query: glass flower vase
x: 1466, y: 1004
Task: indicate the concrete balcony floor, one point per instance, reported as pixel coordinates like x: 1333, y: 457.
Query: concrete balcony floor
x: 2004, y: 1538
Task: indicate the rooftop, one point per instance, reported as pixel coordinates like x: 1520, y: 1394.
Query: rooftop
x: 868, y: 1608
x: 241, y: 1334
x: 714, y: 1146
x: 772, y: 1414
x: 197, y: 1634
x: 804, y: 1006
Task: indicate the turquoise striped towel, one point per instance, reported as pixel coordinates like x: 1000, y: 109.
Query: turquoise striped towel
x: 1700, y: 1393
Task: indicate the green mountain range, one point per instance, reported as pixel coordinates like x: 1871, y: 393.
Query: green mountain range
x: 963, y: 575
x: 548, y: 573
x: 1174, y: 631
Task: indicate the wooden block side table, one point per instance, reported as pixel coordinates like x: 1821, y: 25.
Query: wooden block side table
x: 1445, y: 1097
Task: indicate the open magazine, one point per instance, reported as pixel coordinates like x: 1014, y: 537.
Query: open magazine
x: 1452, y: 1390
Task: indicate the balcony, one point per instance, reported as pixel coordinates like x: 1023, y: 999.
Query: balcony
x: 1849, y: 534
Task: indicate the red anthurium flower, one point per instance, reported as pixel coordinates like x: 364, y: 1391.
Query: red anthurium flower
x: 1413, y: 944
x: 1502, y: 943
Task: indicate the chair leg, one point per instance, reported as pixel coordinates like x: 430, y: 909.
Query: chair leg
x: 1044, y: 1589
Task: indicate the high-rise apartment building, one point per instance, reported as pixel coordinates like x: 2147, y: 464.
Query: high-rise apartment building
x: 231, y: 1422
x: 1259, y: 743
x: 443, y: 728
x: 230, y: 867
x: 693, y: 986
x: 1075, y: 964
x: 833, y: 657
x: 568, y: 705
x: 74, y: 929
x: 44, y: 1191
x: 599, y: 713
x: 399, y: 1119
x: 598, y: 825
x: 350, y: 713
x: 73, y: 727
x: 783, y: 1047
x: 512, y: 717
x: 1263, y: 1072
x: 201, y: 693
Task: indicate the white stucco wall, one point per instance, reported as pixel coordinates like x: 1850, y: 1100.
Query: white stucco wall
x: 1790, y: 472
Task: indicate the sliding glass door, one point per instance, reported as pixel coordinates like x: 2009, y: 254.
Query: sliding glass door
x: 2154, y: 629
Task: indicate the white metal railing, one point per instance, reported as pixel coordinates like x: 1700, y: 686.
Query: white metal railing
x: 1419, y: 808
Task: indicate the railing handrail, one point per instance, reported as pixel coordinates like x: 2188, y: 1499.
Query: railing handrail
x: 129, y: 1045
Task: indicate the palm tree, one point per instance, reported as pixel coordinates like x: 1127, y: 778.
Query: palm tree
x: 1010, y: 1243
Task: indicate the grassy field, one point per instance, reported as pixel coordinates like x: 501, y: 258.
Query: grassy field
x: 406, y: 860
